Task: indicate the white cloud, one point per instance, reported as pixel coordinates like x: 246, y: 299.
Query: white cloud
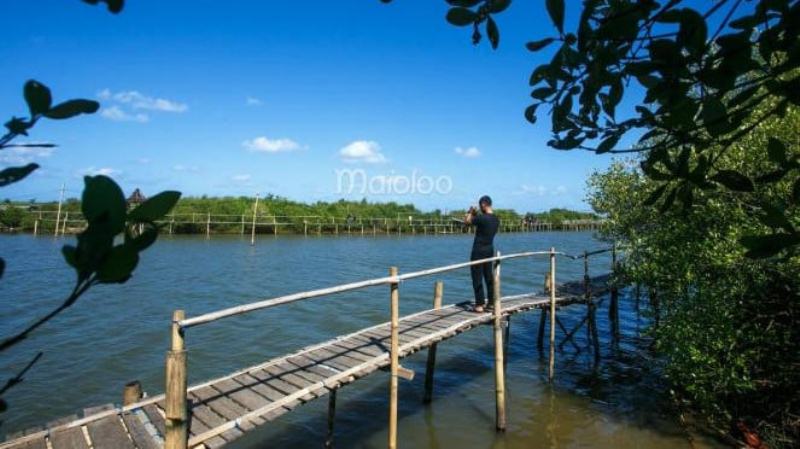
x: 143, y: 160
x: 137, y: 100
x: 253, y: 101
x: 107, y: 171
x: 185, y: 168
x: 241, y: 177
x: 540, y: 190
x: 470, y: 152
x: 116, y: 114
x: 24, y: 155
x: 263, y: 144
x: 367, y: 151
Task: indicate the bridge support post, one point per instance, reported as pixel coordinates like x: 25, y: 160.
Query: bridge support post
x: 395, y: 359
x: 177, y: 427
x: 543, y: 316
x: 331, y: 418
x: 613, y: 308
x: 132, y: 393
x: 499, y: 372
x: 431, y: 365
x: 551, y: 371
x: 591, y: 321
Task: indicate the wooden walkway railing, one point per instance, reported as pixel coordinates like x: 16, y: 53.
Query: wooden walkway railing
x: 213, y: 413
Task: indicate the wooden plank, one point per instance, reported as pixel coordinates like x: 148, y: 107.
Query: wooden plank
x: 222, y: 405
x: 285, y: 388
x: 71, y: 438
x: 248, y: 398
x: 62, y: 420
x: 139, y: 434
x: 298, y: 381
x: 109, y: 432
x: 156, y: 418
x: 89, y: 411
x: 265, y: 392
x: 202, y: 412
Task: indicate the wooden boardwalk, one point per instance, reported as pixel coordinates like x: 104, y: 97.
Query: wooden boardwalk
x: 223, y: 409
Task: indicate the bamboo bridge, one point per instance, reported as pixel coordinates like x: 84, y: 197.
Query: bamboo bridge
x: 213, y: 413
x: 72, y: 222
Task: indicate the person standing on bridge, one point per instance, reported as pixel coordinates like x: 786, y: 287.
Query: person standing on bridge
x: 486, y: 225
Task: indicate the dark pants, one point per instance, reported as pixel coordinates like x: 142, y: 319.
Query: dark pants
x: 482, y: 273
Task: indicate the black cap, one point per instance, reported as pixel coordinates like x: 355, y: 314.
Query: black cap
x: 485, y: 199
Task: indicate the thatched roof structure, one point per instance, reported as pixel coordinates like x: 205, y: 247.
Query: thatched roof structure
x: 136, y: 198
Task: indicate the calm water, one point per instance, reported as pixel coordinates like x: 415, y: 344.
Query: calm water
x: 116, y: 334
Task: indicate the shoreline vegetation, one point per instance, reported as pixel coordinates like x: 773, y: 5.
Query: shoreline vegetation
x: 278, y: 215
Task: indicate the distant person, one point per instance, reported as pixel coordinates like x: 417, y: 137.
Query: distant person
x: 486, y: 225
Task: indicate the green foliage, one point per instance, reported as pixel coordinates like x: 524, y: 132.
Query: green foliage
x: 729, y: 324
x: 12, y: 216
x: 704, y: 87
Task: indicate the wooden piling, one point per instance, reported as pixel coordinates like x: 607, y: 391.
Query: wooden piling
x: 36, y: 226
x: 331, y: 418
x: 395, y: 358
x: 431, y: 365
x: 175, y: 409
x: 499, y: 372
x: 208, y: 225
x: 613, y: 307
x: 132, y: 392
x: 551, y: 371
x: 253, y: 229
x: 543, y: 316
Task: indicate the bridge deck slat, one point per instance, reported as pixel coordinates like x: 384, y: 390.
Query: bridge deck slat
x: 109, y: 432
x: 139, y: 434
x: 71, y: 438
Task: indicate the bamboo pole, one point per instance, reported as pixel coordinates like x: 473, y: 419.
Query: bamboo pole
x: 64, y: 223
x: 253, y: 229
x: 208, y: 225
x: 613, y: 308
x: 58, y: 214
x: 431, y: 365
x: 36, y: 226
x: 499, y: 372
x: 395, y: 358
x: 177, y: 429
x: 551, y: 371
x: 331, y: 418
x: 131, y: 393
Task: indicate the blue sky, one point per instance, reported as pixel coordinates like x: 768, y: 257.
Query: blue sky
x: 234, y: 98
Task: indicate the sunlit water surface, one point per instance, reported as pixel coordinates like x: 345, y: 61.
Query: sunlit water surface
x: 118, y: 333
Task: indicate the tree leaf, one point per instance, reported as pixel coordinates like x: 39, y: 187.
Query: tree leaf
x: 498, y: 5
x: 71, y: 108
x: 114, y: 6
x: 492, y: 32
x: 2, y: 266
x: 118, y: 265
x: 103, y: 203
x: 530, y: 113
x: 668, y: 201
x: 776, y: 151
x: 608, y: 144
x: 734, y: 180
x: 775, y: 218
x: 556, y: 10
x: 11, y: 175
x: 155, y: 207
x: 655, y: 195
x: 796, y: 191
x: 762, y: 246
x: 38, y: 97
x: 461, y: 16
x: 142, y: 241
x: 464, y: 3
x: 540, y: 44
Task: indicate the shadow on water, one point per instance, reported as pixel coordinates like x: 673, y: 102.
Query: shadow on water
x: 622, y: 401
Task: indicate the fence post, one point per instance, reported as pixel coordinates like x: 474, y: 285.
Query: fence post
x: 253, y: 229
x: 132, y: 393
x: 431, y: 365
x: 613, y: 308
x: 499, y: 373
x: 551, y: 371
x: 177, y: 428
x: 395, y: 358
